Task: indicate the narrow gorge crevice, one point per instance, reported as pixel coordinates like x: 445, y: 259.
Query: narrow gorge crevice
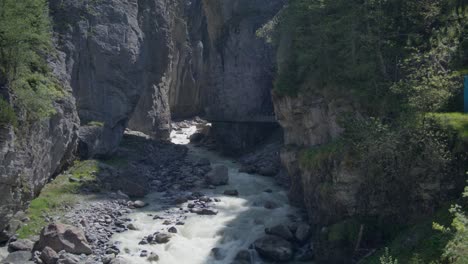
x: 231, y: 131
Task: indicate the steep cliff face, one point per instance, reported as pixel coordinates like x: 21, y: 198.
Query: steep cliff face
x: 33, y: 152
x: 118, y: 59
x: 310, y: 121
x: 239, y: 71
x: 136, y: 63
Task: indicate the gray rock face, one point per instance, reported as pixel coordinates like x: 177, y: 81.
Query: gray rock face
x: 240, y: 69
x: 30, y: 155
x: 307, y: 121
x: 131, y: 64
x: 118, y: 56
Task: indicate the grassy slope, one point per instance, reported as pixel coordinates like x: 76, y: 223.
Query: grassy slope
x: 58, y: 195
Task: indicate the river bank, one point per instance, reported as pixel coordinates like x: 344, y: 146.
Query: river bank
x: 193, y: 220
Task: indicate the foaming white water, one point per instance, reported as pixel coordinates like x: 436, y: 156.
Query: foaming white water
x: 3, y: 253
x: 239, y: 222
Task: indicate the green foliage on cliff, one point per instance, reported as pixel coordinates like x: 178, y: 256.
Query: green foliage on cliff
x: 317, y: 156
x: 390, y: 55
x: 458, y: 122
x: 442, y: 239
x: 25, y: 41
x: 399, y: 64
x: 7, y: 113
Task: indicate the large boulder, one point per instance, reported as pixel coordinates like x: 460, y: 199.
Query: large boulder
x: 274, y: 248
x: 18, y: 257
x: 218, y: 176
x: 281, y: 231
x: 49, y: 256
x: 303, y: 232
x: 67, y: 258
x: 20, y: 245
x: 63, y: 237
x: 119, y: 261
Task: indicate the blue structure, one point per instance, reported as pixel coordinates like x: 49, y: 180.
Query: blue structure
x: 466, y: 94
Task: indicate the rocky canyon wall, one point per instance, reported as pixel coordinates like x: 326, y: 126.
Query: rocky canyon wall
x: 33, y: 152
x: 137, y: 64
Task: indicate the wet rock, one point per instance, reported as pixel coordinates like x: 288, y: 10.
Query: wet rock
x: 107, y: 258
x: 197, y: 137
x: 131, y: 227
x: 139, y: 204
x: 172, y: 230
x: 274, y: 248
x: 20, y: 245
x: 153, y: 257
x: 270, y: 205
x: 162, y: 238
x: 205, y: 199
x: 217, y: 253
x: 303, y: 232
x: 18, y: 257
x: 305, y: 253
x: 231, y: 192
x: 49, y: 256
x: 218, y: 176
x: 281, y: 231
x: 119, y: 261
x: 268, y: 169
x: 63, y: 237
x: 242, y: 257
x: 180, y: 200
x: 204, y: 211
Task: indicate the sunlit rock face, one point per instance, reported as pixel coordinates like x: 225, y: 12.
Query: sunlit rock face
x: 117, y: 60
x: 33, y: 152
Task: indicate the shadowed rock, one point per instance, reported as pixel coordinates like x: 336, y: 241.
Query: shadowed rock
x: 274, y: 248
x: 218, y: 176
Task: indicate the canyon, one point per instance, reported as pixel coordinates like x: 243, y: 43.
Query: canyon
x: 132, y: 71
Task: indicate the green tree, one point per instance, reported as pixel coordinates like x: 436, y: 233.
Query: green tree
x: 25, y: 41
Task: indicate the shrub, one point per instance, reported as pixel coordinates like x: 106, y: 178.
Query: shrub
x: 7, y: 114
x: 386, y: 258
x: 25, y: 41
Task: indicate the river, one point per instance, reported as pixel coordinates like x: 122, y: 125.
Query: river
x: 239, y: 222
